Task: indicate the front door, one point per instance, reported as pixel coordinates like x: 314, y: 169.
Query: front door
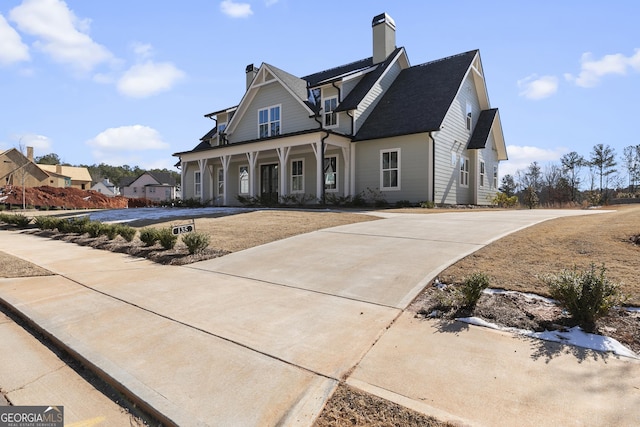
x: 269, y: 184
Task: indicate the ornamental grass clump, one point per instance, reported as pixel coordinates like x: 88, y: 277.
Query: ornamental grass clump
x: 586, y: 295
x: 126, y: 232
x: 196, y: 242
x: 471, y: 289
x: 94, y: 229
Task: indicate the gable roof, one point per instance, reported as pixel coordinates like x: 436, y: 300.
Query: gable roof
x: 351, y: 101
x: 480, y: 134
x: 76, y: 173
x: 163, y: 178
x: 327, y: 75
x: 418, y: 99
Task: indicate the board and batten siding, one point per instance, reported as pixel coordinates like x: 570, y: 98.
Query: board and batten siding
x: 415, y: 167
x: 293, y: 116
x: 452, y: 141
x: 372, y: 98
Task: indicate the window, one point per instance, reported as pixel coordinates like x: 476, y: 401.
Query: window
x: 469, y: 116
x: 297, y: 176
x: 464, y: 171
x: 482, y: 173
x: 495, y: 177
x: 221, y: 137
x: 330, y: 117
x: 220, y: 181
x: 390, y: 169
x: 269, y: 122
x: 197, y: 183
x: 331, y: 173
x: 244, y: 179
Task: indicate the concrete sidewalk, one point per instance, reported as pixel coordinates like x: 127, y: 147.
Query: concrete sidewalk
x: 262, y: 336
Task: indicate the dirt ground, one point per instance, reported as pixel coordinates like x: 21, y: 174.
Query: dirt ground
x: 515, y: 262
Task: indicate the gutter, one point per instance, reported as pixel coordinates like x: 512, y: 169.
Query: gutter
x: 433, y: 167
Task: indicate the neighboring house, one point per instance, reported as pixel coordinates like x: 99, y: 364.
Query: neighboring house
x: 76, y: 177
x: 105, y: 187
x: 150, y: 185
x: 18, y: 169
x: 409, y: 133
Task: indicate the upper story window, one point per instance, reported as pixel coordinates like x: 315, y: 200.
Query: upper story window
x: 221, y: 137
x: 469, y: 116
x: 269, y: 121
x: 464, y: 171
x: 390, y: 169
x: 330, y: 116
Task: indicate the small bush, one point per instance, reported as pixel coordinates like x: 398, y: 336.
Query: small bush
x: 126, y: 231
x: 78, y: 224
x: 427, y: 205
x: 471, y: 289
x: 504, y: 201
x: 166, y: 238
x: 44, y: 222
x: 196, y: 242
x: 149, y: 236
x: 18, y: 220
x: 109, y: 230
x: 94, y: 229
x: 587, y: 295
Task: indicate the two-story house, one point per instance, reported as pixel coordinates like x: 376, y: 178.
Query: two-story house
x: 417, y: 133
x: 154, y: 186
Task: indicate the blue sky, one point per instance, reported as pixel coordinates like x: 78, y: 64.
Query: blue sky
x: 128, y: 82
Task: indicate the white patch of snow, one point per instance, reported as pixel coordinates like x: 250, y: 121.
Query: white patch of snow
x: 574, y: 336
x: 491, y: 291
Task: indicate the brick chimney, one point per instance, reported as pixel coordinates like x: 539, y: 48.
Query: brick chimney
x: 384, y: 37
x: 251, y: 72
x: 30, y: 154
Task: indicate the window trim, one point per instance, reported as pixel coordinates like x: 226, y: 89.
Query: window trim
x: 219, y: 189
x: 270, y: 121
x: 469, y: 117
x: 331, y: 113
x: 324, y: 174
x: 222, y: 125
x: 197, y: 183
x: 301, y: 176
x: 463, y: 169
x: 397, y: 168
x: 482, y: 171
x: 240, y: 179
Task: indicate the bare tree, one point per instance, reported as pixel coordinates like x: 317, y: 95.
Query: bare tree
x: 631, y: 157
x: 603, y: 159
x: 572, y: 163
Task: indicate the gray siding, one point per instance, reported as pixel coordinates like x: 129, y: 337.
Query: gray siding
x: 293, y: 116
x: 415, y: 167
x: 490, y: 157
x: 373, y: 97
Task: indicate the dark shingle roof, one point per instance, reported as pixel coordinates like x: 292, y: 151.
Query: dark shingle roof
x: 125, y: 181
x: 163, y: 177
x: 418, y: 99
x: 481, y: 131
x: 314, y: 79
x: 209, y: 134
x: 351, y: 101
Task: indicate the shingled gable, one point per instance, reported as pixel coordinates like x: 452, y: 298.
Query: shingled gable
x: 335, y: 73
x: 488, y: 120
x: 418, y: 99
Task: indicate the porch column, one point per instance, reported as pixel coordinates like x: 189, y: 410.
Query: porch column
x: 226, y: 160
x: 202, y: 163
x: 352, y: 162
x: 252, y: 157
x: 183, y: 167
x: 283, y: 156
x: 317, y: 150
x: 346, y: 155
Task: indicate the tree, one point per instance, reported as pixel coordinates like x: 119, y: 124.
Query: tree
x: 508, y: 186
x: 572, y: 163
x: 603, y: 159
x: 631, y: 157
x: 48, y: 159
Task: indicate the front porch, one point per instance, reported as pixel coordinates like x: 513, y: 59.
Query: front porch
x: 307, y: 165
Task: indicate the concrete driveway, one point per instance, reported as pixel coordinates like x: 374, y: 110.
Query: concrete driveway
x: 259, y: 337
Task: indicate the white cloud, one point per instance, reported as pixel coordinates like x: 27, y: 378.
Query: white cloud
x: 270, y: 2
x: 142, y: 50
x: 60, y: 33
x: 127, y: 139
x: 593, y: 70
x: 12, y: 49
x: 520, y: 157
x: 236, y: 10
x: 534, y: 87
x: 40, y: 143
x: 149, y: 78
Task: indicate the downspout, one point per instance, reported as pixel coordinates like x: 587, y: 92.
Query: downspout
x: 433, y: 167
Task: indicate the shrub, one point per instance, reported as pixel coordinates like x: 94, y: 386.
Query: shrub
x: 427, y: 205
x: 149, y: 236
x: 78, y: 224
x: 504, y: 201
x: 109, y: 230
x: 44, y: 222
x: 166, y: 238
x: 196, y: 242
x: 471, y: 289
x: 530, y: 197
x: 18, y: 220
x: 587, y: 295
x: 94, y: 228
x: 126, y: 231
